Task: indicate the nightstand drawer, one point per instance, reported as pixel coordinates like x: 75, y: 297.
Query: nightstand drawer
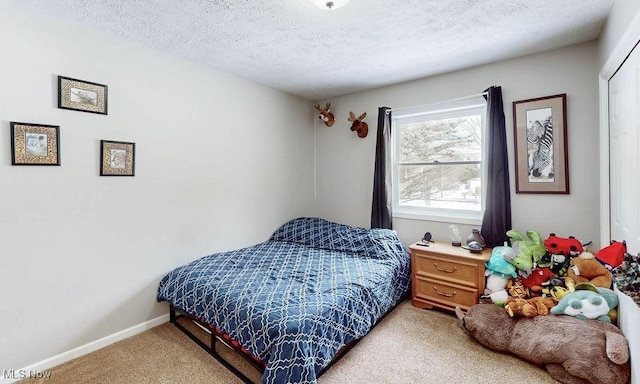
x: 445, y: 295
x: 451, y: 270
x: 445, y: 276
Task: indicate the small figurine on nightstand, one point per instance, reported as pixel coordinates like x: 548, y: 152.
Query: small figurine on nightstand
x: 475, y: 236
x: 455, y: 236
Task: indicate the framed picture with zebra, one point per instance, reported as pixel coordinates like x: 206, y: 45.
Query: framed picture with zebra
x: 540, y: 134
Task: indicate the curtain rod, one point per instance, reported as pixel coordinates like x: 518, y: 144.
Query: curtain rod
x: 388, y: 111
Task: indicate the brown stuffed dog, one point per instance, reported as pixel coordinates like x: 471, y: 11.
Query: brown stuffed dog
x: 586, y: 269
x: 573, y: 351
x: 533, y: 307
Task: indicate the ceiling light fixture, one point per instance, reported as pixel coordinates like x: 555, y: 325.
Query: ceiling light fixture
x: 329, y: 5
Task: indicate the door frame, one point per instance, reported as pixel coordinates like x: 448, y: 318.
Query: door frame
x: 620, y: 53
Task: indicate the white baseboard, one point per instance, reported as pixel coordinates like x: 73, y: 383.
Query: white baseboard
x: 41, y: 367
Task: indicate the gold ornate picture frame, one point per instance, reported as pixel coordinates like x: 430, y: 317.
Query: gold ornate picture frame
x: 540, y: 134
x: 80, y: 95
x: 35, y: 144
x: 117, y: 158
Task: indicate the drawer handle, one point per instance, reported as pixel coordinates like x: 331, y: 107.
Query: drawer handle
x: 444, y: 293
x: 445, y: 270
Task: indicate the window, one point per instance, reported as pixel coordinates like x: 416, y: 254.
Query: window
x: 437, y: 160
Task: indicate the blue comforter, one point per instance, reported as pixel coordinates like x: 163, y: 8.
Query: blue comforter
x: 296, y: 299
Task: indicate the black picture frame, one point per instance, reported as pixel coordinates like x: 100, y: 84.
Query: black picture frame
x: 117, y: 158
x: 35, y: 144
x: 81, y: 95
x: 541, y: 145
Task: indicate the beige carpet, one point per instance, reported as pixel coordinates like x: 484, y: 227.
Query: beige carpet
x: 409, y: 346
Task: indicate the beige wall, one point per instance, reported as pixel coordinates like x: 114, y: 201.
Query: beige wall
x: 220, y: 163
x: 345, y: 162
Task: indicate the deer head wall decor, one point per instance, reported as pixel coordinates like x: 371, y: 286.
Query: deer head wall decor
x: 325, y: 114
x: 359, y: 125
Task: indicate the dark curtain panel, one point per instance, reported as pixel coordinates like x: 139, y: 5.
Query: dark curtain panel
x: 497, y: 215
x: 381, y: 205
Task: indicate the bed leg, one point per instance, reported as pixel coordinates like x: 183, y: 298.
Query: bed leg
x: 172, y: 315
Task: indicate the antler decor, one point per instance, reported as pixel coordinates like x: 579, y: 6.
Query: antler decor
x: 325, y: 114
x: 359, y: 125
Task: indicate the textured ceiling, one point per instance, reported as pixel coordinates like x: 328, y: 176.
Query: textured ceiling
x: 293, y: 46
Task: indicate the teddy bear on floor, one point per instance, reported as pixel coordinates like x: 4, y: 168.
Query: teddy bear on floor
x: 586, y: 269
x: 572, y: 350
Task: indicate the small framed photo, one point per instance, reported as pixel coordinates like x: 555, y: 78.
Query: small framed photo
x: 35, y: 144
x: 540, y: 132
x: 80, y: 95
x: 117, y: 158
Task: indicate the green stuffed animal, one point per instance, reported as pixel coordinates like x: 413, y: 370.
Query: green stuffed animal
x: 526, y: 249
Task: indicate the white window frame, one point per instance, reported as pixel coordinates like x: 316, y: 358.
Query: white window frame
x: 448, y: 109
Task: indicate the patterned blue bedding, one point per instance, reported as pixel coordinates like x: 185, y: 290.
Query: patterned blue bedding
x: 296, y: 299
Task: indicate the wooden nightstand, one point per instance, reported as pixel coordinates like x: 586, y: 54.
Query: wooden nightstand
x: 446, y: 276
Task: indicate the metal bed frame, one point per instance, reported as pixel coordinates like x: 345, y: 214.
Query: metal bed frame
x: 218, y: 336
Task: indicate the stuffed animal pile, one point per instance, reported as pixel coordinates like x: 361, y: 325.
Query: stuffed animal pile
x: 558, y: 307
x: 556, y: 276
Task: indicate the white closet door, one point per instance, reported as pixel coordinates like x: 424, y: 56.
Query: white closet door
x: 624, y: 152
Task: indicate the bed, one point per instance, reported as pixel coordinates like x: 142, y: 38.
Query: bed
x: 294, y: 302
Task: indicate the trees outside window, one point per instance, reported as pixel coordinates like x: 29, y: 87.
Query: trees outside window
x: 437, y: 163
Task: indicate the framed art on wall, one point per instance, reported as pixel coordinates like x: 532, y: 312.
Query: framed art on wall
x: 80, y: 95
x: 540, y: 134
x: 117, y: 158
x: 35, y: 144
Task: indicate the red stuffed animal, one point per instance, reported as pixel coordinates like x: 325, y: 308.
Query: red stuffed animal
x: 612, y: 255
x: 536, y: 278
x: 563, y: 246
